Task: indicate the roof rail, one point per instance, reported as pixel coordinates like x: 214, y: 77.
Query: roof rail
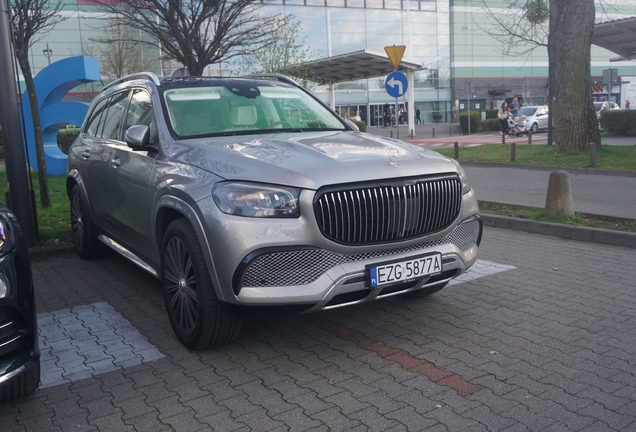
x: 279, y: 77
x: 134, y: 76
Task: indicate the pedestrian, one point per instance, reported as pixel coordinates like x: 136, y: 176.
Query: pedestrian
x: 502, y: 115
x: 514, y: 106
x: 418, y: 119
x: 356, y: 117
x: 627, y: 104
x: 401, y: 115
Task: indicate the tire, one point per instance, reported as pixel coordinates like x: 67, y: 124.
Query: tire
x: 425, y: 291
x: 84, y: 230
x: 22, y: 384
x: 534, y: 128
x: 198, y: 319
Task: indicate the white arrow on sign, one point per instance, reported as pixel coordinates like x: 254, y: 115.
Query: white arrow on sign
x: 393, y: 82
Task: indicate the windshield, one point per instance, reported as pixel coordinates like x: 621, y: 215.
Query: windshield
x: 235, y: 107
x: 527, y: 111
x: 597, y: 106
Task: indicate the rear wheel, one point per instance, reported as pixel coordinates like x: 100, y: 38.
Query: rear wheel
x: 534, y: 128
x: 84, y: 230
x: 198, y: 319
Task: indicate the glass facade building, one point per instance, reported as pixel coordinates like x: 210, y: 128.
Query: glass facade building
x: 464, y: 65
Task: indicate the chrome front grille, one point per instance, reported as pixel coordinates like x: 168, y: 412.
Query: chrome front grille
x: 300, y: 267
x: 379, y: 214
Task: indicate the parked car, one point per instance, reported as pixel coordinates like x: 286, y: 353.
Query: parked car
x: 604, y: 105
x: 247, y: 194
x: 19, y: 350
x: 536, y: 117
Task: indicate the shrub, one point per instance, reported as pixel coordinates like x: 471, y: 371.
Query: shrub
x: 361, y: 125
x: 491, y: 124
x: 619, y: 122
x: 475, y: 122
x: 491, y: 114
x: 65, y: 138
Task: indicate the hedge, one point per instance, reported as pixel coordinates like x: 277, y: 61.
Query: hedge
x: 619, y: 122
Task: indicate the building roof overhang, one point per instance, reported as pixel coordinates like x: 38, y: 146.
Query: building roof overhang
x: 618, y: 36
x: 354, y: 66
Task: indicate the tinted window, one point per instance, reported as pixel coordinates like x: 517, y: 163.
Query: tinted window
x: 114, y: 116
x: 93, y: 123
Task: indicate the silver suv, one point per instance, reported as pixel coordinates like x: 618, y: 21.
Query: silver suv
x: 248, y: 194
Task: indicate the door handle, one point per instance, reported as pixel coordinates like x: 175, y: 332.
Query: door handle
x: 116, y: 162
x: 86, y: 154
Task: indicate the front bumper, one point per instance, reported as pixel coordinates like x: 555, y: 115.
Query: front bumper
x: 323, y: 279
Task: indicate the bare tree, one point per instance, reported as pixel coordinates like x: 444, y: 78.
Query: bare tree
x: 120, y: 53
x: 32, y: 20
x: 565, y: 28
x: 197, y: 33
x: 286, y: 54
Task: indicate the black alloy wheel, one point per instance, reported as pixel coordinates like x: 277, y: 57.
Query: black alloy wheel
x: 198, y: 319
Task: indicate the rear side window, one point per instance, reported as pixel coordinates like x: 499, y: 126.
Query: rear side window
x: 92, y: 124
x: 114, y: 117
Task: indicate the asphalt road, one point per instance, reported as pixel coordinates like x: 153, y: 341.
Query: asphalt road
x: 591, y: 193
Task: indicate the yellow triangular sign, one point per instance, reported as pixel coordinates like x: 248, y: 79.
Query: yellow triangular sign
x: 395, y: 54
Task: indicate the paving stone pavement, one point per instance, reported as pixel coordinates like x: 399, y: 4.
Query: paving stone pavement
x: 546, y: 345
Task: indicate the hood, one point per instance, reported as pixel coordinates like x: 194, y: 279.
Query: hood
x: 309, y: 160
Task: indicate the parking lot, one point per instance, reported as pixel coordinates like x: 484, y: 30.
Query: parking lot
x: 540, y: 337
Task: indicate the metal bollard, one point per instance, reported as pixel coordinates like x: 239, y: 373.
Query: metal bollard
x: 593, y: 154
x: 530, y: 137
x: 433, y: 132
x: 513, y: 152
x: 450, y: 131
x: 456, y: 146
x: 412, y: 134
x: 503, y: 138
x: 391, y: 134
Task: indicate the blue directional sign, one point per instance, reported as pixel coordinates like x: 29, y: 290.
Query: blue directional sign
x: 396, y: 84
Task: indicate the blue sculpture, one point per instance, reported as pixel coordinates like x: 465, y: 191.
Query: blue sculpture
x: 51, y: 84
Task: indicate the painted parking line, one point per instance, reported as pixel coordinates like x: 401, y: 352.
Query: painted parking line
x: 88, y: 340
x: 480, y: 269
x: 439, y: 376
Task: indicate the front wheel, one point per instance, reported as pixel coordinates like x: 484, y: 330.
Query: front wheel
x: 534, y: 128
x: 198, y: 319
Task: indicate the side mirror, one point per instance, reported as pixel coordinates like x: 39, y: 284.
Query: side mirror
x: 138, y: 137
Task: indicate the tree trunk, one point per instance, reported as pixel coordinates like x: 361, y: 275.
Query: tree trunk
x: 43, y: 179
x: 569, y: 50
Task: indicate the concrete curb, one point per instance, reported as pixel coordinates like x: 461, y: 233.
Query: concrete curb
x: 592, y: 235
x: 595, y: 171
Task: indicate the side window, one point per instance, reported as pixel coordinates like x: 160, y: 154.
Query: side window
x: 114, y: 116
x: 93, y: 123
x: 140, y: 110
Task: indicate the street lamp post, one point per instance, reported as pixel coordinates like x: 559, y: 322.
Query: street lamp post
x: 48, y: 53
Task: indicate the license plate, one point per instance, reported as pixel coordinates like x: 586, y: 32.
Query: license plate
x: 399, y: 271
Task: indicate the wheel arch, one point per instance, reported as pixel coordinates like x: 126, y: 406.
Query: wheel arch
x: 170, y: 208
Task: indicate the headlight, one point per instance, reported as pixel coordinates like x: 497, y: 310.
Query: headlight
x: 256, y: 200
x: 462, y: 177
